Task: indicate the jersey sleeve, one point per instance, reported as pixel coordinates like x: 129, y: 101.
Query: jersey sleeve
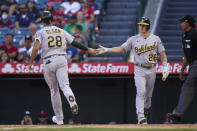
x: 127, y: 45
x: 160, y: 46
x: 38, y: 36
x: 69, y: 38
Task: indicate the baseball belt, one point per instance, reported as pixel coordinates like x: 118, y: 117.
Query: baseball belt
x: 146, y: 66
x: 53, y: 55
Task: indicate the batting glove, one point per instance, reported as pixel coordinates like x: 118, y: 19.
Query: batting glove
x: 165, y: 72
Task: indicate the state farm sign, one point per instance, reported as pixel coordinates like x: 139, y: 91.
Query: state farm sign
x: 73, y: 68
x: 87, y: 68
x: 23, y: 68
x: 20, y: 68
x: 100, y: 68
x: 174, y: 68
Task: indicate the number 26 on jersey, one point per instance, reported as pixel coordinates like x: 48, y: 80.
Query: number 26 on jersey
x: 152, y: 57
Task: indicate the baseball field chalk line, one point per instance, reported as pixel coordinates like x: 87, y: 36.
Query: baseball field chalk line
x: 121, y: 126
x: 8, y: 128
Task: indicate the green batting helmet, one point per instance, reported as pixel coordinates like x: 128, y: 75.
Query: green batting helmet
x: 144, y: 21
x: 46, y: 17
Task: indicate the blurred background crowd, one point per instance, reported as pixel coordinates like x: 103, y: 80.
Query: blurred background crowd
x: 20, y: 19
x: 43, y: 118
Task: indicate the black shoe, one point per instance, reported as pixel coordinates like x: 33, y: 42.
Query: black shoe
x: 74, y: 109
x: 146, y: 112
x: 172, y: 119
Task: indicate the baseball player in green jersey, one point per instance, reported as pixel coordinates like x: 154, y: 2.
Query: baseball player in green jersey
x: 145, y: 47
x: 53, y: 42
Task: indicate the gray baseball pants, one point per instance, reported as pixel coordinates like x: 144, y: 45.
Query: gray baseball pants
x: 56, y: 72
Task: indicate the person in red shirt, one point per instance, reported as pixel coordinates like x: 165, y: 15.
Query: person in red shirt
x: 43, y: 118
x: 58, y: 17
x: 9, y: 48
x: 88, y: 13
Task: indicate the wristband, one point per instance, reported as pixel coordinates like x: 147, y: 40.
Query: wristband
x: 109, y: 49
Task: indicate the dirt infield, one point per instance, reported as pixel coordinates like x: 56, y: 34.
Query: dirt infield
x: 121, y: 126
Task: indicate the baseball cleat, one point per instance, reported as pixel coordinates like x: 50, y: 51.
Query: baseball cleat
x: 56, y: 121
x: 142, y: 120
x: 146, y: 112
x: 172, y: 119
x: 74, y: 109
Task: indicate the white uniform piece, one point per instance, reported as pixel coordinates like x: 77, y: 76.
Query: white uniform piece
x: 73, y: 8
x: 53, y: 44
x: 145, y: 53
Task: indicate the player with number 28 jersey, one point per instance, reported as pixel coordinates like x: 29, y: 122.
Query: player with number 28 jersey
x: 53, y: 37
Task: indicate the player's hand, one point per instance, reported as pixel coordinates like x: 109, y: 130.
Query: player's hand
x: 101, y: 50
x: 165, y: 72
x: 30, y: 66
x: 92, y: 51
x: 182, y: 76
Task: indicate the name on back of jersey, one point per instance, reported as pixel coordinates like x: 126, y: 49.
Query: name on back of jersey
x: 51, y: 31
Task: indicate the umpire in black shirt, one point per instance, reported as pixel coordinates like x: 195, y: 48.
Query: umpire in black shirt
x: 189, y: 88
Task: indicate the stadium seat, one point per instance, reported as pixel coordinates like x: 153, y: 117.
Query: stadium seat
x: 12, y: 18
x: 105, y: 59
x: 41, y: 1
x: 99, y: 3
x: 17, y: 38
x: 56, y: 5
x: 45, y: 1
x: 4, y: 31
x: 116, y: 26
x: 40, y: 6
x: 22, y: 1
x: 123, y: 24
x: 2, y: 39
x: 40, y: 26
x: 21, y: 31
x: 169, y: 28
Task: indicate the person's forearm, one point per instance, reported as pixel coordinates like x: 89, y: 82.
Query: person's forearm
x: 33, y: 55
x: 79, y: 45
x: 184, y: 64
x: 38, y: 20
x: 115, y: 49
x: 16, y: 25
x: 75, y: 58
x: 91, y: 18
x: 163, y: 57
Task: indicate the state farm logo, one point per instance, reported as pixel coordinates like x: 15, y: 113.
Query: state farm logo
x: 97, y: 68
x: 7, y: 68
x: 74, y: 68
x: 23, y: 68
x: 106, y: 68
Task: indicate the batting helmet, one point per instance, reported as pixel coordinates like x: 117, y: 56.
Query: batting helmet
x: 46, y: 17
x: 144, y: 21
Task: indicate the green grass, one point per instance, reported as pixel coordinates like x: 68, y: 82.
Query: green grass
x: 99, y: 129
